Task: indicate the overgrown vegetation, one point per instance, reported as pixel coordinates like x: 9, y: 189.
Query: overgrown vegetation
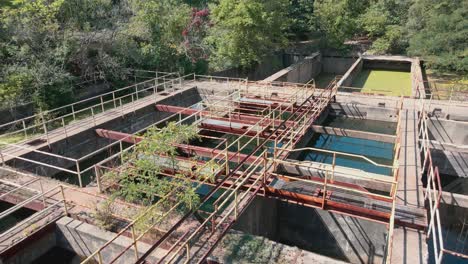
x: 46, y: 45
x: 437, y: 30
x: 139, y: 179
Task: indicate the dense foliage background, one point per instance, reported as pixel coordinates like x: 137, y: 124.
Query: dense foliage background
x: 46, y: 45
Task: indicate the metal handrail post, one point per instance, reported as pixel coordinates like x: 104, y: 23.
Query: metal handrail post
x: 78, y: 171
x: 64, y: 200
x: 134, y: 242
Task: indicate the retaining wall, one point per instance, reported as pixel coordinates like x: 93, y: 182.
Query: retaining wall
x: 337, y: 65
x: 75, y: 236
x: 84, y: 239
x: 300, y: 72
x: 337, y: 236
x: 352, y: 72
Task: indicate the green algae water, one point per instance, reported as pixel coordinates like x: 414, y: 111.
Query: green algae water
x: 387, y: 82
x: 379, y: 152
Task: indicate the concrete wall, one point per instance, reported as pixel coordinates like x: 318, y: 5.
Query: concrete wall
x: 84, y: 239
x: 352, y: 72
x: 260, y: 208
x: 451, y: 162
x: 387, y: 65
x: 353, y: 133
x: 311, y: 67
x: 341, y: 237
x: 451, y: 157
x: 300, y: 72
x: 341, y: 174
x: 269, y: 65
x: 387, y: 113
x: 75, y: 236
x: 32, y: 248
x: 448, y: 131
x: 337, y: 65
x: 87, y: 141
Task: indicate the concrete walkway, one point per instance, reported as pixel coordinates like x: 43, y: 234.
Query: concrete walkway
x: 409, y: 245
x: 79, y: 126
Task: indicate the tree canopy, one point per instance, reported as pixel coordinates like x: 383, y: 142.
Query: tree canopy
x: 48, y: 45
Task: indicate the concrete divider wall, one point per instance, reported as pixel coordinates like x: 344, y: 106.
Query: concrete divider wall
x: 340, y: 174
x: 337, y: 236
x: 352, y: 72
x: 353, y: 133
x: 81, y: 238
x: 364, y: 112
x: 84, y: 239
x: 387, y: 65
x: 448, y: 131
x: 300, y: 72
x: 337, y: 65
x: 451, y: 162
x: 31, y: 248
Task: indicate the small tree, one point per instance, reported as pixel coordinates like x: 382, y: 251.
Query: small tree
x: 103, y: 214
x: 140, y: 179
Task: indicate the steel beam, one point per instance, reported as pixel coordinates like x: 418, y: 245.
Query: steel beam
x: 234, y: 117
x: 188, y: 149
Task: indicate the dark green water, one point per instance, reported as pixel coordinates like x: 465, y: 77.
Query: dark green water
x: 373, y: 126
x: 88, y: 176
x: 379, y: 152
x: 14, y: 218
x: 59, y: 255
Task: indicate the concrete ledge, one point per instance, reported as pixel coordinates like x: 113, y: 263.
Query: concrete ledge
x: 353, y: 133
x: 85, y: 239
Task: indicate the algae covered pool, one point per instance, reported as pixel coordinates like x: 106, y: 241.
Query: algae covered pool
x: 387, y: 82
x: 379, y: 152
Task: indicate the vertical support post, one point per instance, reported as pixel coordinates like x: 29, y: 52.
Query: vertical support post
x: 121, y: 151
x: 324, y: 190
x: 2, y: 157
x: 92, y: 114
x: 99, y: 257
x: 73, y: 112
x: 113, y: 99
x: 235, y: 204
x: 64, y: 127
x: 136, y: 91
x: 64, y: 200
x: 238, y: 150
x: 227, y: 158
x: 265, y: 157
x: 135, y: 243
x: 98, y: 178
x: 45, y: 130
x: 42, y: 191
x: 102, y: 104
x: 24, y: 128
x: 188, y: 252
x: 333, y: 166
x: 78, y: 171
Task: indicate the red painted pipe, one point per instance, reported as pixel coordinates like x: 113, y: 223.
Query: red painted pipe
x: 235, y: 117
x: 188, y: 149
